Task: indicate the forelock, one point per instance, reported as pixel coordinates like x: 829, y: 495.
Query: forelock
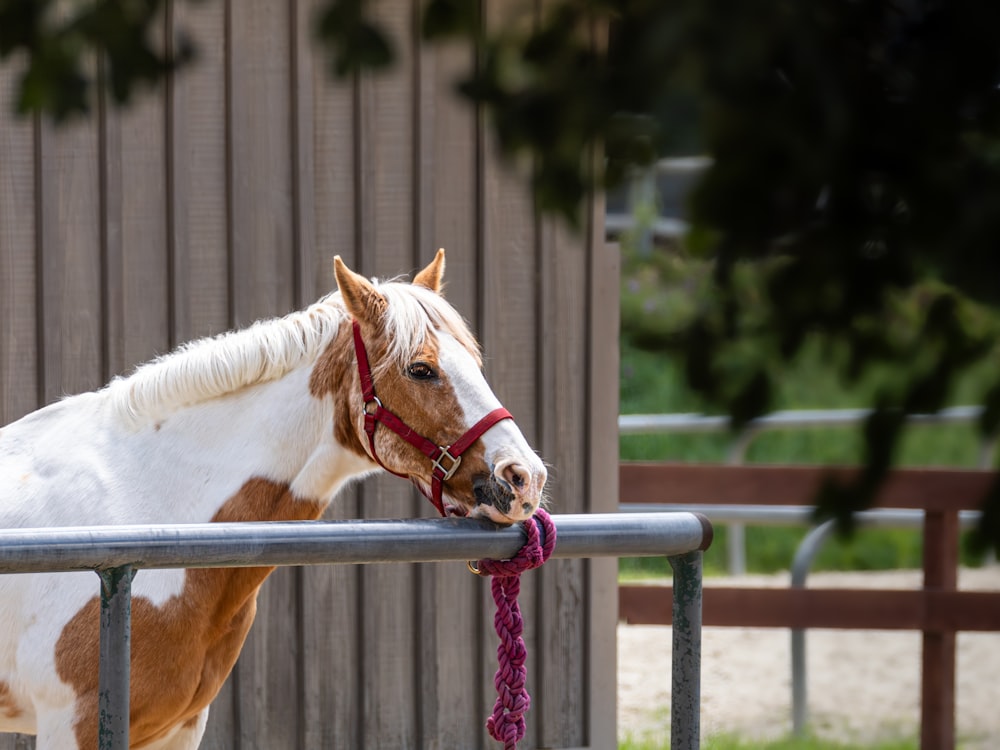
x: 412, y: 314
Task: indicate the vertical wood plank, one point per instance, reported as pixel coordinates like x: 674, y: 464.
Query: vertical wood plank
x: 570, y: 375
x: 387, y: 248
x: 263, y: 268
x: 197, y: 147
x: 196, y: 144
x: 602, y: 465
x: 330, y: 636
x: 330, y: 607
x: 137, y: 233
x: 197, y: 152
x: 261, y: 183
x: 70, y: 264
x: 18, y: 324
x: 447, y: 155
x: 602, y: 351
x: 17, y: 742
x: 937, y: 695
x: 303, y: 156
x: 133, y: 178
x: 452, y: 707
x: 561, y: 593
x: 18, y: 344
x: 428, y: 724
x: 335, y: 170
x: 508, y: 241
x: 511, y: 323
x: 112, y: 260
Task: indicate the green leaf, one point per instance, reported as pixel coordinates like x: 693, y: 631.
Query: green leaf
x: 443, y: 19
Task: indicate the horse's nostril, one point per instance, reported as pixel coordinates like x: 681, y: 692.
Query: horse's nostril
x: 514, y: 476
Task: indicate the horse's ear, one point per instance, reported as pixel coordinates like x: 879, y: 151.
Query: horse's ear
x: 431, y: 276
x: 361, y: 297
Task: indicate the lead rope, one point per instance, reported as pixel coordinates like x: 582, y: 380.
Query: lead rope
x: 506, y: 723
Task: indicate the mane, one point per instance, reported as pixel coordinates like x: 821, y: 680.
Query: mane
x: 269, y: 349
x: 413, y: 312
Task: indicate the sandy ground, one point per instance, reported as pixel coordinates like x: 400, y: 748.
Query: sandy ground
x: 862, y: 685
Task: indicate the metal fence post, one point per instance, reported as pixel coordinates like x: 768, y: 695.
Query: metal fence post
x: 736, y: 542
x: 685, y: 701
x: 116, y: 646
x: 804, y: 554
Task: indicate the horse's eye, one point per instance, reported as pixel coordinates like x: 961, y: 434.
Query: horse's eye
x: 421, y: 371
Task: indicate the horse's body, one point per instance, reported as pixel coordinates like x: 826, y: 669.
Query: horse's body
x: 264, y: 424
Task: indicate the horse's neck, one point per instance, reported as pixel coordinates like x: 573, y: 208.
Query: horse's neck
x: 267, y: 452
x: 269, y: 448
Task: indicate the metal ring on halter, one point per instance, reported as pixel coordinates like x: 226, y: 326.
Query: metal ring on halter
x: 372, y: 400
x: 472, y: 568
x: 455, y: 462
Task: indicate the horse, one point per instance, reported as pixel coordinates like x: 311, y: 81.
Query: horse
x: 264, y: 423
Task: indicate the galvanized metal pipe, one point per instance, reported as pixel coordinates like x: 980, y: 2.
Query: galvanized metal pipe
x: 116, y: 646
x: 641, y: 424
x: 796, y: 515
x: 736, y: 539
x: 115, y: 551
x: 806, y: 552
x: 216, y: 545
x: 685, y: 692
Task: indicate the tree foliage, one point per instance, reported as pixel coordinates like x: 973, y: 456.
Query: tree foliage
x: 855, y: 148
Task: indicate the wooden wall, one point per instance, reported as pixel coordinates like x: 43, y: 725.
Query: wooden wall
x: 221, y: 199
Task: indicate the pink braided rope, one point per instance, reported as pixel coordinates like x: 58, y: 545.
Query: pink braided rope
x: 506, y: 723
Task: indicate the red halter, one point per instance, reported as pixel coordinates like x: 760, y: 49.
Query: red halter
x: 445, y: 459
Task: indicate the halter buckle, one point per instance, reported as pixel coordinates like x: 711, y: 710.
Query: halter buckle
x: 446, y: 474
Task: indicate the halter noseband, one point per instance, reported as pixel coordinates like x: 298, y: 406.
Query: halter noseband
x: 445, y: 458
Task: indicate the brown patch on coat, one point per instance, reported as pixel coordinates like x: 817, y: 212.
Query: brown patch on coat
x: 183, y: 651
x: 8, y: 704
x: 336, y: 374
x: 429, y: 408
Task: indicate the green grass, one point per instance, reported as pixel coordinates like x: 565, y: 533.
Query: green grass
x: 727, y: 742
x: 771, y: 549
x: 653, y: 384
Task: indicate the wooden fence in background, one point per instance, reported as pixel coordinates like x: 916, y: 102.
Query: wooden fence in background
x: 939, y: 610
x: 221, y: 198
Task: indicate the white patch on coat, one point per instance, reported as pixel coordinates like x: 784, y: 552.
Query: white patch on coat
x: 504, y: 443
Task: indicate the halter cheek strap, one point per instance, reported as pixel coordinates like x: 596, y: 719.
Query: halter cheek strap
x: 445, y: 458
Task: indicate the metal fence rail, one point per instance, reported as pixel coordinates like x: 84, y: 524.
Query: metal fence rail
x: 651, y: 424
x: 639, y: 424
x: 117, y: 552
x: 666, y: 179
x: 805, y: 554
x: 778, y: 494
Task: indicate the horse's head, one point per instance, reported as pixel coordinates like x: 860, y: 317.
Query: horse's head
x: 425, y: 411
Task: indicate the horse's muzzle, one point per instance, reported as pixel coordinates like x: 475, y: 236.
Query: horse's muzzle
x: 492, y: 492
